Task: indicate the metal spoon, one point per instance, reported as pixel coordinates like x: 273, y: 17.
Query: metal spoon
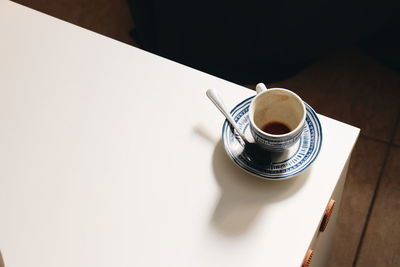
x: 253, y: 152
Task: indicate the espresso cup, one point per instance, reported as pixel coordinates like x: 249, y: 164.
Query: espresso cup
x: 277, y: 118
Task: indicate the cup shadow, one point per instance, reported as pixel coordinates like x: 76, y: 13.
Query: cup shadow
x: 243, y: 195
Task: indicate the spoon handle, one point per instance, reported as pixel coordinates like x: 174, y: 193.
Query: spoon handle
x: 214, y: 96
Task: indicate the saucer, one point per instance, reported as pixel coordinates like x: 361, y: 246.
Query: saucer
x: 280, y: 165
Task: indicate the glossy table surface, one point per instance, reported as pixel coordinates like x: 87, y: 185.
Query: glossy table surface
x: 111, y: 156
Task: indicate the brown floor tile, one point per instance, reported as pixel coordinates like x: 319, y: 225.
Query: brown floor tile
x: 361, y: 180
x: 397, y: 135
x: 352, y: 88
x: 381, y: 246
x: 68, y: 10
x: 110, y: 18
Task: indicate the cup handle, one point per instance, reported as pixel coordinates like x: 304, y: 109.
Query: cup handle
x: 260, y: 87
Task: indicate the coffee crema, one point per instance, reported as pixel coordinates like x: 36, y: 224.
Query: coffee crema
x: 275, y: 127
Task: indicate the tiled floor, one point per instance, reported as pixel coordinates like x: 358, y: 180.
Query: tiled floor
x: 362, y: 178
x: 381, y: 243
x: 347, y: 86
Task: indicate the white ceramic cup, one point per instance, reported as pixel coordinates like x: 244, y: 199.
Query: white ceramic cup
x: 277, y: 118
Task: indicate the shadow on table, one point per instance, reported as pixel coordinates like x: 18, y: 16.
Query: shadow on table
x: 243, y: 195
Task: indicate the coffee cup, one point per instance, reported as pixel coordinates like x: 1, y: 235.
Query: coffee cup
x: 277, y: 118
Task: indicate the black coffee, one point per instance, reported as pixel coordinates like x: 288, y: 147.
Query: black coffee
x: 275, y: 127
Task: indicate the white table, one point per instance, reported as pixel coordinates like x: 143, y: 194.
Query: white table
x: 111, y: 156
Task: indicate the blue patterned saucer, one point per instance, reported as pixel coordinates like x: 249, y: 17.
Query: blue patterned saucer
x: 278, y: 165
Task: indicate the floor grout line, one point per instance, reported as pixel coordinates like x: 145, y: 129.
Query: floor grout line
x: 371, y: 205
x: 377, y: 186
x: 375, y: 139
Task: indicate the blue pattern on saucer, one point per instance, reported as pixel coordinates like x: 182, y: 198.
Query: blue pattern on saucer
x: 281, y: 165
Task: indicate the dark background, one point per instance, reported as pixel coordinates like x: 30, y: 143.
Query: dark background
x: 246, y: 41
